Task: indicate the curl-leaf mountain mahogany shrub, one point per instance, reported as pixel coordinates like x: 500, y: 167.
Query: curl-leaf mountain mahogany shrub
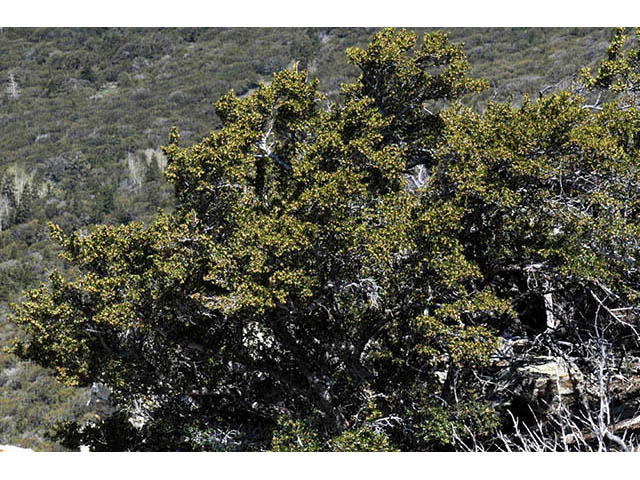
x: 300, y: 283
x: 303, y: 298
x: 620, y: 71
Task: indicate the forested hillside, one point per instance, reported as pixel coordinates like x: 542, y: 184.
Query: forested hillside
x: 84, y: 113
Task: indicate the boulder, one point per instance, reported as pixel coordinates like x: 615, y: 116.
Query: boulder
x: 545, y: 381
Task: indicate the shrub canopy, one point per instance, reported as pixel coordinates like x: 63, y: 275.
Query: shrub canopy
x: 337, y: 274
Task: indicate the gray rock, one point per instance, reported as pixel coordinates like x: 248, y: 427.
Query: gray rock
x: 545, y: 381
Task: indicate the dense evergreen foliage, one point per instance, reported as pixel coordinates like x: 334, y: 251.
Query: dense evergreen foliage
x: 329, y: 257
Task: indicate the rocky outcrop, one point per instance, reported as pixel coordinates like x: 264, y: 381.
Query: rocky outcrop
x: 536, y: 383
x: 546, y: 381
